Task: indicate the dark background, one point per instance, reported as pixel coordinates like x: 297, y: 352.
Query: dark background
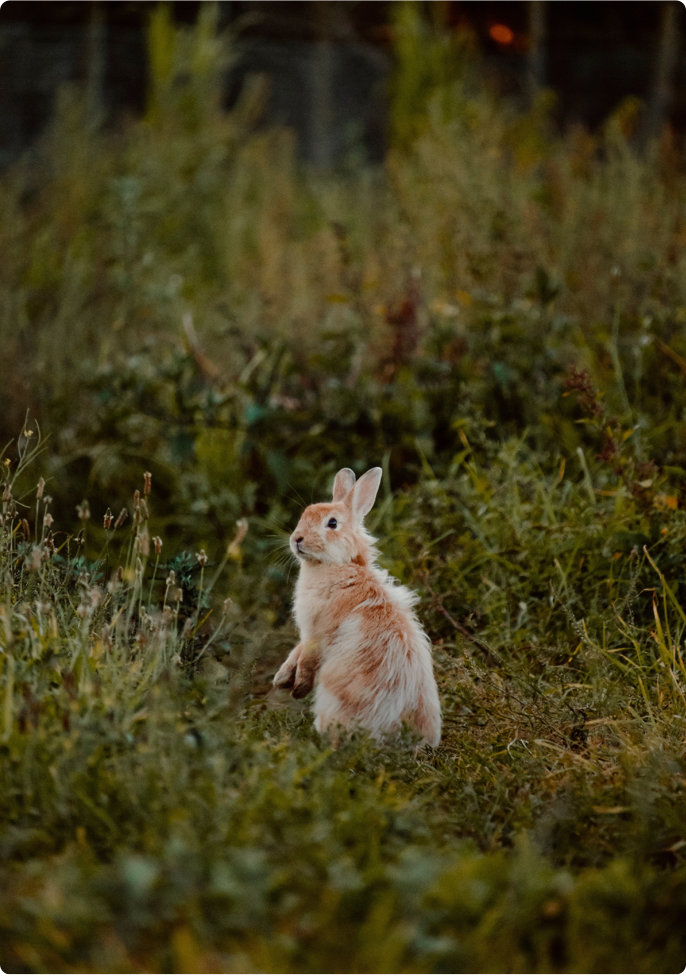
x: 593, y: 54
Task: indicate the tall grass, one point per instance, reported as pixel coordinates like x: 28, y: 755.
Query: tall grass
x: 207, y: 331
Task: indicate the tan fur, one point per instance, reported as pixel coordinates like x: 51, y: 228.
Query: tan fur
x: 361, y: 645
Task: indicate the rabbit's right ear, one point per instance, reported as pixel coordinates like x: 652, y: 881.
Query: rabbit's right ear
x: 343, y: 484
x: 364, y: 493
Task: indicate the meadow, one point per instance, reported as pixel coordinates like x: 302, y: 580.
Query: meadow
x: 200, y: 330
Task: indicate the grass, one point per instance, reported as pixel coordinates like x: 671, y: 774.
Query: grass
x: 496, y: 317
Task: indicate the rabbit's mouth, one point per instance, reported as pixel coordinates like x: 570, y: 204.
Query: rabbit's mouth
x: 301, y: 553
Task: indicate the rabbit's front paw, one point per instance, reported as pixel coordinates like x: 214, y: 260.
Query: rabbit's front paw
x: 285, y: 676
x: 305, y: 674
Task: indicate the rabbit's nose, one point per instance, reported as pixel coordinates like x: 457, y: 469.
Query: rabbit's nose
x: 299, y: 539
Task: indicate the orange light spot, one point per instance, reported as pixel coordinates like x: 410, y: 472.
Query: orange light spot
x: 501, y: 34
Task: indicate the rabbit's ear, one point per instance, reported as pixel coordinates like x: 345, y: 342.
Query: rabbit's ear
x: 343, y: 483
x: 364, y: 493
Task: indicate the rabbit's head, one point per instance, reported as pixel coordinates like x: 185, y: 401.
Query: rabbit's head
x: 334, y: 532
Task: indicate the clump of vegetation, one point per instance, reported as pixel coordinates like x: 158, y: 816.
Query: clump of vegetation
x: 210, y: 330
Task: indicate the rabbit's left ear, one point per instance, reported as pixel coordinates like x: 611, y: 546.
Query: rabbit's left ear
x: 364, y: 493
x: 343, y: 483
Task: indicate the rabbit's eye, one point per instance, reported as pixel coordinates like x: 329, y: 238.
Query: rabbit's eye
x: 332, y: 523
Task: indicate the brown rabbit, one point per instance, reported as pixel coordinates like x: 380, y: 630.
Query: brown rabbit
x: 360, y: 640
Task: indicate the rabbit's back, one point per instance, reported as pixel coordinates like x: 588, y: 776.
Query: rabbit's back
x: 377, y: 669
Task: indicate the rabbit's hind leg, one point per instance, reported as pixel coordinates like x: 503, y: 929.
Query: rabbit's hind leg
x: 427, y: 718
x: 329, y: 714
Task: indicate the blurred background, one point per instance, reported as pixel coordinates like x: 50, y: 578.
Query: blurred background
x: 246, y: 242
x: 243, y: 245
x: 328, y: 62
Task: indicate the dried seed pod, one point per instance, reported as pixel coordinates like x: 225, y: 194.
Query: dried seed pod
x: 234, y: 547
x: 120, y: 574
x: 136, y: 507
x: 107, y: 636
x: 40, y: 487
x: 148, y: 483
x: 201, y: 557
x: 171, y: 579
x: 7, y: 494
x: 121, y: 518
x: 48, y: 519
x: 144, y: 510
x: 157, y: 542
x: 107, y: 521
x: 83, y: 510
x: 79, y: 540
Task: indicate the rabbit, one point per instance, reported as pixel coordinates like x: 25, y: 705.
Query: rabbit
x: 361, y: 645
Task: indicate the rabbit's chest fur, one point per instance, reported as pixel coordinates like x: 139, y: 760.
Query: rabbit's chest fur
x: 328, y: 600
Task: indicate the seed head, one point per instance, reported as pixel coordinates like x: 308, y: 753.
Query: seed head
x: 157, y: 542
x: 234, y: 547
x: 148, y: 483
x: 136, y: 507
x: 144, y: 510
x: 48, y: 519
x: 201, y: 557
x: 171, y: 579
x: 121, y: 518
x: 227, y: 604
x: 143, y: 542
x: 35, y: 559
x: 7, y: 494
x: 120, y: 574
x: 107, y: 521
x: 41, y: 487
x: 79, y: 538
x: 83, y: 510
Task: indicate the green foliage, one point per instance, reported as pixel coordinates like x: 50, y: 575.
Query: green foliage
x: 496, y: 317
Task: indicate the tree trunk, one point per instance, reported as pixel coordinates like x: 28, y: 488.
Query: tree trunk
x: 95, y: 63
x: 321, y: 131
x: 663, y: 85
x: 535, y: 69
